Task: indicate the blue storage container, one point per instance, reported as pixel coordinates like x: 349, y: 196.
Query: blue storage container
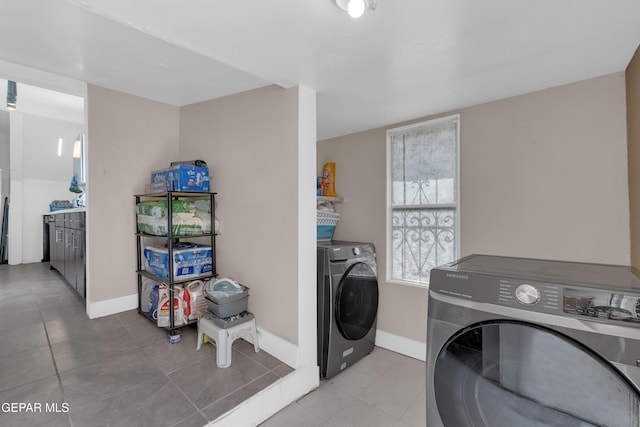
x: 326, y: 224
x: 325, y: 231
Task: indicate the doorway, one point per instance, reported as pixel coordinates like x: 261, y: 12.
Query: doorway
x: 36, y: 142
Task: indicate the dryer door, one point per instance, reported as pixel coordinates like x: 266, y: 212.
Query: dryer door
x: 356, y: 301
x: 511, y: 373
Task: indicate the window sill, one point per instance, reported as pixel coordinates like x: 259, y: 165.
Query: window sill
x: 408, y: 283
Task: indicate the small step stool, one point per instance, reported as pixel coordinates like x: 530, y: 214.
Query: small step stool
x: 224, y: 338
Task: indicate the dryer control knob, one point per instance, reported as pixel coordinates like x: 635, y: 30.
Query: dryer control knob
x: 356, y: 251
x: 527, y: 294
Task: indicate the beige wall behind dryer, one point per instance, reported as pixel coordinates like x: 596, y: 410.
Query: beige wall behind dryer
x: 632, y: 76
x: 543, y: 175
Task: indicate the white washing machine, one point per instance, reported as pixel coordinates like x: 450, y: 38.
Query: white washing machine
x: 347, y: 304
x: 516, y: 342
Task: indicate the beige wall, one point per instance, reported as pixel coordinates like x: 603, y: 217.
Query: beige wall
x: 545, y: 175
x: 542, y: 175
x: 250, y: 143
x: 128, y: 137
x: 632, y: 76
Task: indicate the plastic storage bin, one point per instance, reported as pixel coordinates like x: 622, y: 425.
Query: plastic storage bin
x: 228, y: 322
x: 227, y: 305
x: 228, y: 309
x: 325, y: 232
x: 326, y: 227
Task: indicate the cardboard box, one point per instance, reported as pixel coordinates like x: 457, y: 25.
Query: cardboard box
x: 181, y: 178
x: 190, y: 260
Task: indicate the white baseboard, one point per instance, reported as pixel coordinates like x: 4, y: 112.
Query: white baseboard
x: 112, y: 306
x: 402, y: 345
x: 278, y: 347
x: 277, y: 396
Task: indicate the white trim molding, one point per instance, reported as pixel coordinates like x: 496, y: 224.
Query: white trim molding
x: 402, y: 345
x: 112, y: 306
x: 269, y: 401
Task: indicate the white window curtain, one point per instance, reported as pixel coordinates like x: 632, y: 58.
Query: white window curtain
x: 422, y: 198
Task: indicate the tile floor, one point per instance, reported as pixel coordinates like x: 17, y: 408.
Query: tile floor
x: 120, y: 370
x: 384, y: 389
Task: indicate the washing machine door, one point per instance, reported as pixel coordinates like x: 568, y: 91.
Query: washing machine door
x: 356, y: 303
x: 507, y: 374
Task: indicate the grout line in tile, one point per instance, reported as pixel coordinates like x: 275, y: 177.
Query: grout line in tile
x: 395, y: 417
x: 64, y: 399
x: 55, y: 365
x: 53, y: 359
x: 236, y: 390
x: 198, y: 410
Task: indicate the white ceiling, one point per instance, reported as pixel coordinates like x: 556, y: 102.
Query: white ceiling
x: 407, y: 59
x: 47, y: 103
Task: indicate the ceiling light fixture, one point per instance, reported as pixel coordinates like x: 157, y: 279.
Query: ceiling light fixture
x: 12, y: 95
x: 356, y: 8
x: 77, y: 147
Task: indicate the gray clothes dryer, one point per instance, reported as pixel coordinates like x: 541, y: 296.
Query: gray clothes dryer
x: 347, y: 304
x: 523, y: 342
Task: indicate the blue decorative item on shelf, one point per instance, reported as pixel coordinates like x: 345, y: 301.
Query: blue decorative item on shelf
x: 325, y: 231
x: 73, y: 187
x: 58, y: 205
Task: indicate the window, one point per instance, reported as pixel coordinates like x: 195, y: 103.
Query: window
x: 422, y: 199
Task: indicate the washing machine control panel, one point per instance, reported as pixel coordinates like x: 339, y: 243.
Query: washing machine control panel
x: 603, y: 293
x: 544, y: 297
x: 536, y: 295
x: 603, y: 305
x: 527, y: 294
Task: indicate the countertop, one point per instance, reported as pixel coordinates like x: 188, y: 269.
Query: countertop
x: 63, y: 211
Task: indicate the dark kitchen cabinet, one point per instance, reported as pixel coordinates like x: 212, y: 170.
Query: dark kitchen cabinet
x: 68, y: 249
x: 56, y: 245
